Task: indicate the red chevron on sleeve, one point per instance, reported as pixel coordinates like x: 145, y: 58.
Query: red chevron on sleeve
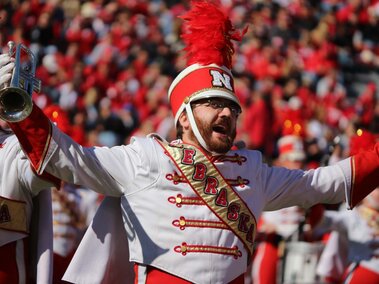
x: 365, y: 174
x: 34, y: 135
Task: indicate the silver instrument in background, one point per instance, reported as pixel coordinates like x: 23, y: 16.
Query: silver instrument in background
x: 300, y: 262
x: 16, y: 98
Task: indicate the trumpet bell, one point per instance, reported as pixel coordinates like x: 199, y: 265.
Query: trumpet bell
x: 15, y: 104
x: 16, y: 98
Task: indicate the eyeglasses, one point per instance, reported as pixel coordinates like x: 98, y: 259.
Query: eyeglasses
x: 220, y: 105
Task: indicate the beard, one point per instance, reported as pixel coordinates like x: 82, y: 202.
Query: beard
x: 218, y: 144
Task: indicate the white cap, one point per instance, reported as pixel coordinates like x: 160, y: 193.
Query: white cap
x: 291, y: 148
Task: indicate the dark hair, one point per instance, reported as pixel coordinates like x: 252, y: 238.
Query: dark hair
x: 179, y: 131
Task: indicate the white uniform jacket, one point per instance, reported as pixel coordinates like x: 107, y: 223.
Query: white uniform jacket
x: 103, y: 253
x: 20, y: 193
x: 167, y: 225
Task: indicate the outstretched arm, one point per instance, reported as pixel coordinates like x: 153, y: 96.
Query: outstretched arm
x: 35, y: 132
x: 70, y: 161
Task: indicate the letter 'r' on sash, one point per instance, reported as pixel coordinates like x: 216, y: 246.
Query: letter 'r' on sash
x: 208, y: 183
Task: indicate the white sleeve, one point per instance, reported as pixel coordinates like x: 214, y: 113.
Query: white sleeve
x: 284, y: 188
x: 110, y: 171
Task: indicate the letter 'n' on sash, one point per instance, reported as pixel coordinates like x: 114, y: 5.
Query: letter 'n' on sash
x: 208, y: 183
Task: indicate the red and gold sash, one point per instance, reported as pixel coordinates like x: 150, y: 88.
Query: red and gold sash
x: 13, y: 215
x: 208, y: 183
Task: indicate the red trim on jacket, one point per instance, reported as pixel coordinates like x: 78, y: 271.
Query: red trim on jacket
x: 156, y: 276
x: 365, y: 173
x: 34, y: 135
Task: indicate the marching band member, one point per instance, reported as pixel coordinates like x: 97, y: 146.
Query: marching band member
x: 352, y: 251
x: 190, y: 206
x: 25, y: 212
x: 357, y: 241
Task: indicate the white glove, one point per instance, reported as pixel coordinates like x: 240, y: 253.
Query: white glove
x: 6, y: 68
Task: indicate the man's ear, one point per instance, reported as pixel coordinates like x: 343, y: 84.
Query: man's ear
x: 183, y: 120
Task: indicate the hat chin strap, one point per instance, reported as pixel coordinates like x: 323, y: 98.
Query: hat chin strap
x: 196, y: 130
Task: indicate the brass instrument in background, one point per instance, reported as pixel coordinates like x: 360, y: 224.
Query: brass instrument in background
x: 16, y: 99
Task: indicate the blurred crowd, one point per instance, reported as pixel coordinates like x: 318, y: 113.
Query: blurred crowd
x: 304, y: 68
x: 307, y: 68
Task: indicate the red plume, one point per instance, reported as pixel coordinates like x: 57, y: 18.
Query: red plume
x: 209, y: 34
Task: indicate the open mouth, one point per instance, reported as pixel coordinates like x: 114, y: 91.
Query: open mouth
x: 220, y: 129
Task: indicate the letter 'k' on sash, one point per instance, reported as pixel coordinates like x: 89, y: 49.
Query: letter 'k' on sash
x: 208, y: 183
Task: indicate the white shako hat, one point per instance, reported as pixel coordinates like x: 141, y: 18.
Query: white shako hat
x: 208, y: 35
x: 198, y: 82
x: 291, y: 147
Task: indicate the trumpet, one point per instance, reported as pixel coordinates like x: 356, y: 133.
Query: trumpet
x: 16, y: 98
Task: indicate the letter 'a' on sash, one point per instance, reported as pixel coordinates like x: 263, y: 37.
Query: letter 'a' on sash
x: 13, y: 215
x: 208, y: 183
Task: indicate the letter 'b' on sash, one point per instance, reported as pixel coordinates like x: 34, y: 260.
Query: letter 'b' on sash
x: 208, y: 183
